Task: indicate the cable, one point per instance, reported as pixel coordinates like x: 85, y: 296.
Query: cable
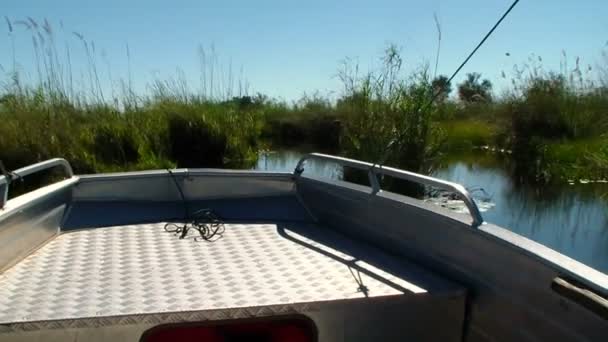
x: 181, y: 194
x: 438, y: 92
x: 476, y: 48
x: 360, y: 285
x: 209, y: 225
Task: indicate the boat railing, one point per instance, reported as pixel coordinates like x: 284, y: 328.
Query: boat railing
x: 375, y: 170
x: 8, y: 177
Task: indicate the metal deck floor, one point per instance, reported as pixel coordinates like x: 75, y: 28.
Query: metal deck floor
x: 142, y: 270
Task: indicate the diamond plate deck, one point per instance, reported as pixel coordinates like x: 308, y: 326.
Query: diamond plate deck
x: 142, y: 270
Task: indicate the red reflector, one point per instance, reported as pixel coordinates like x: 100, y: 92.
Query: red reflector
x: 273, y: 330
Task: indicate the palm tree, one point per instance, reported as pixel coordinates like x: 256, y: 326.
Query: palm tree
x: 442, y: 87
x: 472, y: 89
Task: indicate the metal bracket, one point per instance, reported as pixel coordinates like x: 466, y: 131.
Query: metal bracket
x: 373, y: 180
x: 4, y: 186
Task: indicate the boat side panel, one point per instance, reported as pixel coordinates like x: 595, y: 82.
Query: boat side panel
x: 25, y: 227
x: 199, y: 185
x: 152, y: 196
x: 89, y: 214
x: 511, y: 295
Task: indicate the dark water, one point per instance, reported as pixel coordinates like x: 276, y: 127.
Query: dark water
x: 572, y: 219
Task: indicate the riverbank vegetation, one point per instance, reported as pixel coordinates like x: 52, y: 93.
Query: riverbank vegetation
x: 550, y: 127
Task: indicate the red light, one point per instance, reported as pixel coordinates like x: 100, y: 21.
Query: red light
x: 271, y: 330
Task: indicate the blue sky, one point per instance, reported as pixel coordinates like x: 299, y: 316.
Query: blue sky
x: 286, y: 48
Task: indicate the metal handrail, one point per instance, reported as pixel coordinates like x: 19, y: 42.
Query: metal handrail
x: 373, y: 170
x: 28, y: 170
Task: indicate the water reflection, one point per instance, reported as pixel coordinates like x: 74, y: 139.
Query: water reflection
x: 286, y: 161
x: 572, y: 219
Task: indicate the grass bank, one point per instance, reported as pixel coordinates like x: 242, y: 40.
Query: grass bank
x: 553, y: 127
x: 164, y: 132
x: 544, y: 145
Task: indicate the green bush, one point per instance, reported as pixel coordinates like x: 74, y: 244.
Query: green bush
x: 98, y: 138
x: 387, y: 117
x: 194, y: 143
x: 114, y: 145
